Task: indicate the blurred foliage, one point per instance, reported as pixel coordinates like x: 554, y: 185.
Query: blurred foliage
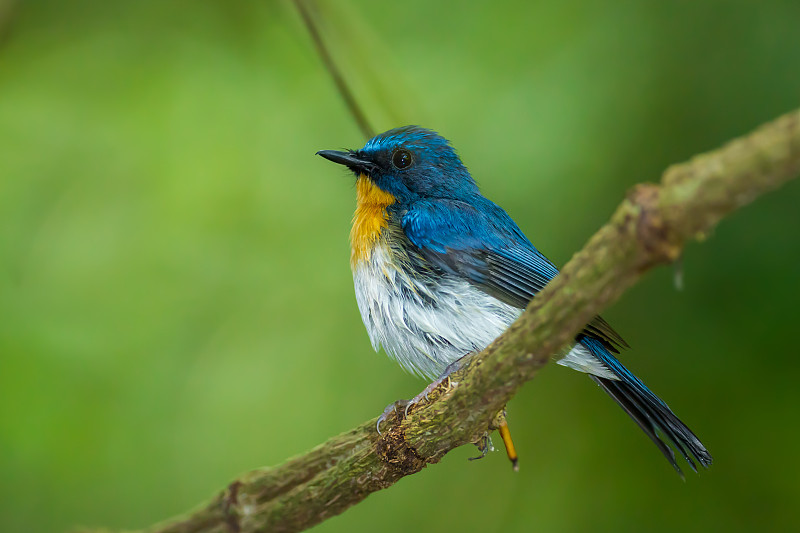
x: 176, y: 304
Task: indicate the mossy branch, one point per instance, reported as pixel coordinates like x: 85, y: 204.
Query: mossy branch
x: 649, y: 228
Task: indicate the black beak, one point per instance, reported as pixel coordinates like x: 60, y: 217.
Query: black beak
x: 349, y: 160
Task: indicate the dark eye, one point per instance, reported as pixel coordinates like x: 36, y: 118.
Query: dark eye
x: 401, y: 159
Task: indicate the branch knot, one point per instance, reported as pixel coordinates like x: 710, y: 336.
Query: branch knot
x: 395, y: 451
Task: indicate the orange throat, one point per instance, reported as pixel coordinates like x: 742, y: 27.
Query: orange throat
x: 369, y: 219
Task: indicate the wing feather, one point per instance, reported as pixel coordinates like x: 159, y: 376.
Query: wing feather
x: 479, y: 242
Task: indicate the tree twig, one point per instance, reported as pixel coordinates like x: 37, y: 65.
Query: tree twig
x: 649, y: 228
x: 8, y: 12
x: 330, y: 65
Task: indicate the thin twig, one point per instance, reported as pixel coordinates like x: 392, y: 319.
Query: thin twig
x: 8, y: 12
x: 333, y: 70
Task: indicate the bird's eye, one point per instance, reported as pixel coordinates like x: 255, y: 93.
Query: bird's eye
x: 401, y: 159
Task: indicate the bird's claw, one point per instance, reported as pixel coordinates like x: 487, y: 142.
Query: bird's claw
x: 424, y: 394
x: 407, y: 404
x: 391, y: 408
x: 484, y: 446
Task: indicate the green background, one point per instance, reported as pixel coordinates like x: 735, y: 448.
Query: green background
x: 176, y: 304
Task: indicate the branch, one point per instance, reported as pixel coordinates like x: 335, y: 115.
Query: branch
x: 327, y: 60
x: 649, y: 228
x: 8, y: 12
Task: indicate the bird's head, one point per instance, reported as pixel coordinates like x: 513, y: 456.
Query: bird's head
x: 410, y: 163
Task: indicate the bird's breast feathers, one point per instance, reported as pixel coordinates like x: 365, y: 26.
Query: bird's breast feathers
x: 424, y: 320
x: 369, y: 220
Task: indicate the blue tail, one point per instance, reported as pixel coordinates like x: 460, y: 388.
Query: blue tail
x: 648, y: 410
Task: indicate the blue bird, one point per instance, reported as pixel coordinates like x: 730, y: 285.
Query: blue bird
x: 440, y: 271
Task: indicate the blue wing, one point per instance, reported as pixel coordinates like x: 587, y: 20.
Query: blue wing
x: 481, y: 243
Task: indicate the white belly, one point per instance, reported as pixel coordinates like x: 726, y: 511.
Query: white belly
x: 425, y: 329
x: 422, y: 329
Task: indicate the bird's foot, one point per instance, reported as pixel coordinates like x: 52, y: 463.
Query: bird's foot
x: 407, y: 404
x: 391, y: 408
x: 424, y: 394
x: 484, y: 446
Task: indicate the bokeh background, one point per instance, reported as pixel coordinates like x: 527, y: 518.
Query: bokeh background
x: 176, y: 304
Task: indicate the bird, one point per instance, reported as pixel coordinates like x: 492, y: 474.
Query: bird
x: 440, y: 271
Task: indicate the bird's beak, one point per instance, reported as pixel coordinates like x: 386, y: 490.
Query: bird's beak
x: 349, y: 160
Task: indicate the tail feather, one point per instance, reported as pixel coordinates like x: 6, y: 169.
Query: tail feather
x: 654, y: 417
x: 649, y: 411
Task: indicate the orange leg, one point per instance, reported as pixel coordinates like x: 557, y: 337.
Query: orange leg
x: 512, y: 453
